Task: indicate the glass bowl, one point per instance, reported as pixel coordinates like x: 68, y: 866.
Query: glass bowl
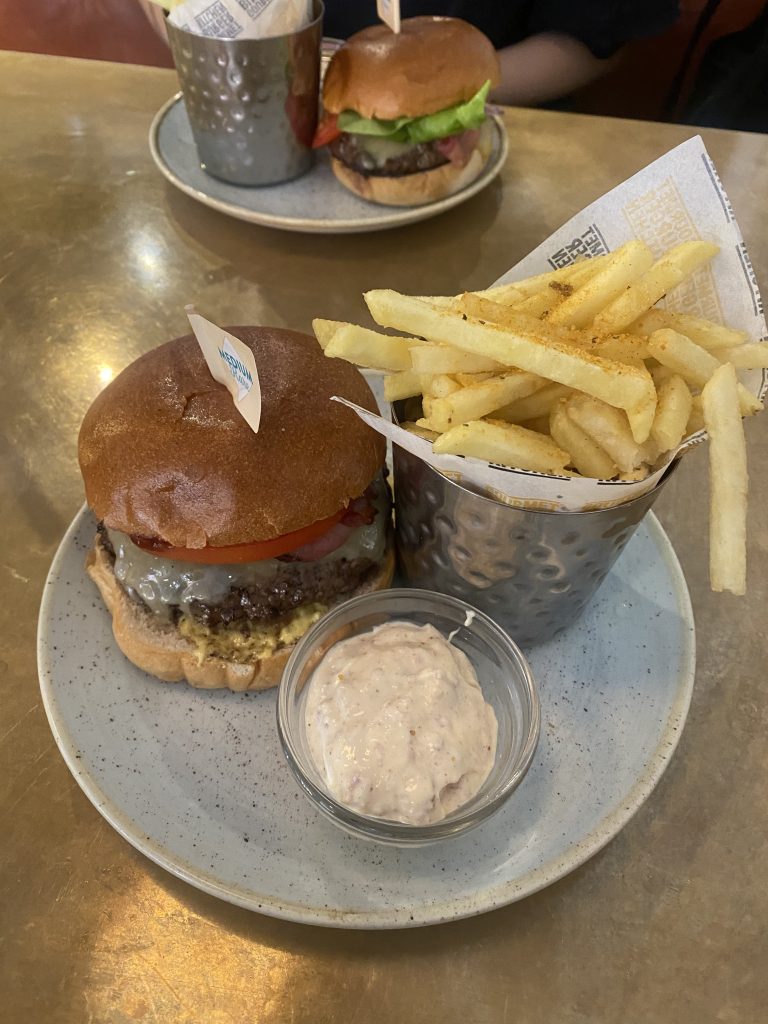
x: 504, y: 677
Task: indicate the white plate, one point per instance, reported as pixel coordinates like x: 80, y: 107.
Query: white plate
x: 315, y: 203
x: 196, y: 780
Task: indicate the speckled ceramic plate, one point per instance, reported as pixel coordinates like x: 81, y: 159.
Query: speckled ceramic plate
x: 196, y: 780
x: 314, y: 203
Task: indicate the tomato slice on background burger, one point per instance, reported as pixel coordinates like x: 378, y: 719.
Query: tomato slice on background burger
x: 327, y: 131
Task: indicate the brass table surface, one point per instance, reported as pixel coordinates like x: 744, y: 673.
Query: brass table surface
x: 97, y: 257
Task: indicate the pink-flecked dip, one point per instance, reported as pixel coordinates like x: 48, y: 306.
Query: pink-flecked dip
x: 397, y: 724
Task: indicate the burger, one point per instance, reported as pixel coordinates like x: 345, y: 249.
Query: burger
x: 217, y: 547
x: 404, y: 113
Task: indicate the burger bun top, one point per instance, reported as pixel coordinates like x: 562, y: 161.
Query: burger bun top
x: 431, y: 64
x: 165, y: 454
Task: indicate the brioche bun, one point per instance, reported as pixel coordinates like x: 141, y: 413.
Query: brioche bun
x: 165, y: 454
x: 431, y: 64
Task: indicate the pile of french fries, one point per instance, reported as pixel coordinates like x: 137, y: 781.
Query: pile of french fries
x: 574, y: 371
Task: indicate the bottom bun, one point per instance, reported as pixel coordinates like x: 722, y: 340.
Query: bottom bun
x: 159, y: 648
x: 422, y: 187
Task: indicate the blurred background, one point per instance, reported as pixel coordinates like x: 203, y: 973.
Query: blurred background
x: 709, y: 68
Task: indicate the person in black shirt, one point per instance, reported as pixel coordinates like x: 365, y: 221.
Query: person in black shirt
x: 547, y: 48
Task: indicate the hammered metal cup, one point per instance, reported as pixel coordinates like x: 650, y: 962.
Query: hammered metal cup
x: 252, y: 103
x: 533, y: 572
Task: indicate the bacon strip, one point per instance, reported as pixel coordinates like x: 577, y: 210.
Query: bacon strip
x: 361, y: 512
x: 458, y: 148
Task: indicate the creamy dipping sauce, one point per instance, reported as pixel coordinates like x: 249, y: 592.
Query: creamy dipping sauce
x: 397, y: 724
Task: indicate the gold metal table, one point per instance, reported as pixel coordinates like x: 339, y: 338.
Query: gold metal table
x: 97, y: 257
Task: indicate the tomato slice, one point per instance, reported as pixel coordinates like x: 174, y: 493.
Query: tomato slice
x: 231, y: 554
x: 327, y: 131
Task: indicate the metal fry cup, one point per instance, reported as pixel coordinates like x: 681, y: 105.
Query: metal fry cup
x: 533, y: 572
x: 252, y: 103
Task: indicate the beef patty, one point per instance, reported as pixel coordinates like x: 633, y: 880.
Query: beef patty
x: 423, y: 156
x: 289, y: 586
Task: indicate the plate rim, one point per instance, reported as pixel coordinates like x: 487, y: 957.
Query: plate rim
x: 507, y: 893
x: 393, y: 218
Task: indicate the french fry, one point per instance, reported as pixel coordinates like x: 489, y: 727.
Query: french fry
x: 477, y: 400
x: 419, y: 431
x: 440, y: 385
x: 623, y: 348
x: 426, y: 405
x: 586, y: 455
x: 672, y: 413
x: 515, y: 291
x: 467, y: 379
x: 621, y: 269
x: 504, y: 294
x: 633, y: 475
x: 583, y: 270
x: 542, y: 303
x: 430, y: 358
x: 404, y: 384
x: 364, y: 347
x: 618, y: 384
x: 650, y: 452
x: 562, y: 282
x: 504, y: 444
x: 709, y: 335
x: 512, y: 317
x: 728, y: 482
x: 618, y: 347
x: 539, y: 403
x: 693, y: 363
x: 746, y: 357
x: 325, y: 330
x: 540, y: 424
x: 440, y: 301
x: 660, y: 373
x: 641, y: 416
x: 608, y: 427
x: 681, y: 355
x: 696, y: 419
x: 666, y: 273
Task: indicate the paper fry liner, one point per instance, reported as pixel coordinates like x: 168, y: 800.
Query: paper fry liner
x: 241, y: 19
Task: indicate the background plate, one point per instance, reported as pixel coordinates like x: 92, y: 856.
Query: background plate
x: 314, y: 203
x: 196, y: 780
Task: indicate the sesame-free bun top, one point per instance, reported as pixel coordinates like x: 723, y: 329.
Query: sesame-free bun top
x: 431, y: 64
x: 165, y: 454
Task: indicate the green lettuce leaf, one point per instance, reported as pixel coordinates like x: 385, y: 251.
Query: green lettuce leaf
x: 450, y: 121
x: 350, y: 121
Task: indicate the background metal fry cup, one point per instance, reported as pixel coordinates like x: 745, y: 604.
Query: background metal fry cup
x: 252, y: 103
x: 533, y: 572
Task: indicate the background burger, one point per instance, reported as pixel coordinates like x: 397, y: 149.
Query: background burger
x: 217, y: 548
x: 405, y: 113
